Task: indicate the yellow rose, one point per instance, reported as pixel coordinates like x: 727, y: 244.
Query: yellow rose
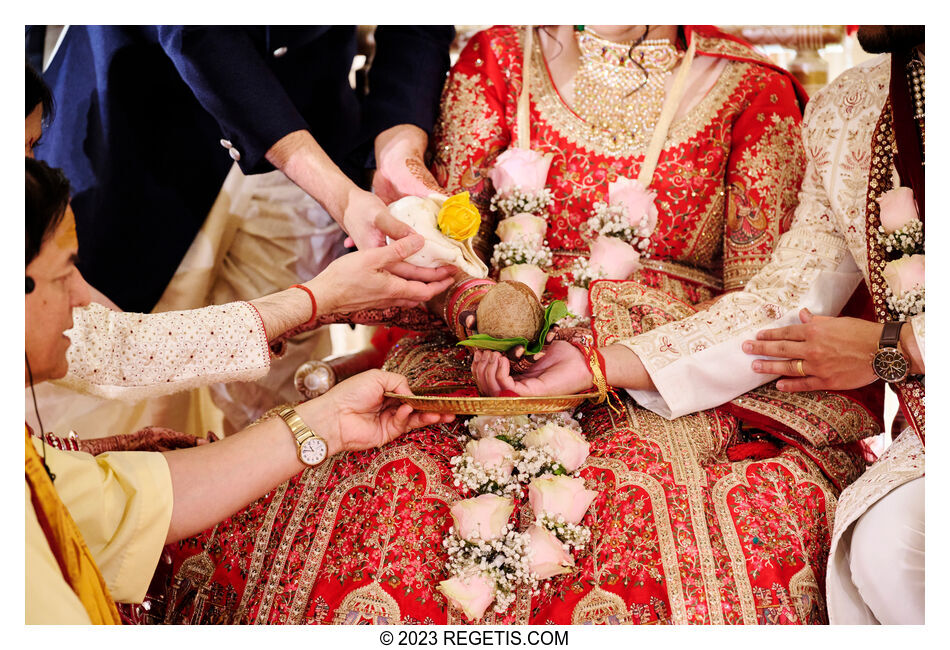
x: 458, y: 218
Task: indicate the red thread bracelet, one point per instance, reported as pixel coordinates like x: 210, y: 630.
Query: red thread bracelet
x: 313, y: 304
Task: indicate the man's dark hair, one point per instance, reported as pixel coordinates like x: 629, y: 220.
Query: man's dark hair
x: 37, y: 93
x: 47, y: 195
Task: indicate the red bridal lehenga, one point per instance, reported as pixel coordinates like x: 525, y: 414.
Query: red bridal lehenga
x: 723, y: 516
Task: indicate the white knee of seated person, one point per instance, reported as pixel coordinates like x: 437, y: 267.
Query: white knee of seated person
x: 887, y: 555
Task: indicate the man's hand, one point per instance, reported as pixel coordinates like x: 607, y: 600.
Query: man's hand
x: 357, y: 414
x: 400, y: 166
x: 367, y: 221
x: 378, y: 278
x: 836, y: 353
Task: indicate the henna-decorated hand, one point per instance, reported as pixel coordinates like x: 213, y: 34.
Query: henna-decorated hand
x: 516, y: 355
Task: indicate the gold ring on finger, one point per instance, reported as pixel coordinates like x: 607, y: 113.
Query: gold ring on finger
x: 800, y: 366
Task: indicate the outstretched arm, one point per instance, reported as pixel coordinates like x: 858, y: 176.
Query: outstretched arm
x: 211, y: 482
x: 175, y: 351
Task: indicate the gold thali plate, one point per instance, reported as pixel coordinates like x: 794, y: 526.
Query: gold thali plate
x: 433, y: 400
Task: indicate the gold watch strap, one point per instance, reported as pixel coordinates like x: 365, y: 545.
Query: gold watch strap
x: 298, y: 427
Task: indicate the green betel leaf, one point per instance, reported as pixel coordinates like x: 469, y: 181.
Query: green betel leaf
x: 555, y: 312
x: 487, y: 342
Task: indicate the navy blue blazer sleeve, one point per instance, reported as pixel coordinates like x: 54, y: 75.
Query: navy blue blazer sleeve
x: 230, y: 77
x: 406, y: 77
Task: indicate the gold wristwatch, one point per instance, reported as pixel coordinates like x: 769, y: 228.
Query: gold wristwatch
x: 312, y: 450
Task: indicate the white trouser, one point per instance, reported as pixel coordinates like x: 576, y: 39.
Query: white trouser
x: 886, y: 560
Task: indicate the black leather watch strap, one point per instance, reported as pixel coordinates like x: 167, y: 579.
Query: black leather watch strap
x: 891, y: 334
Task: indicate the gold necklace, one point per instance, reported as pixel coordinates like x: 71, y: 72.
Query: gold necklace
x: 612, y: 93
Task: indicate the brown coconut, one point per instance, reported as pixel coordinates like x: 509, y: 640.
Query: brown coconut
x: 508, y: 310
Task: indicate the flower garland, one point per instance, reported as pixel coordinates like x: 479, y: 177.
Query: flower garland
x: 902, y: 233
x: 488, y: 557
x: 522, y: 255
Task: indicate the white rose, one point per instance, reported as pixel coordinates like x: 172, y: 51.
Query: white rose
x: 482, y: 517
x: 560, y: 495
x: 529, y: 274
x: 492, y: 453
x: 570, y: 449
x: 522, y: 226
x: 548, y: 557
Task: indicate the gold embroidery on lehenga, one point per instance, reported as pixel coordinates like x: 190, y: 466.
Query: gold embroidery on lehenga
x: 321, y: 540
x: 313, y: 480
x: 466, y: 119
x: 725, y: 47
x: 707, y: 238
x: 625, y: 477
x: 612, y: 304
x: 194, y: 574
x: 850, y: 421
x: 806, y: 595
x: 260, y: 548
x: 601, y: 607
x: 368, y: 605
x: 720, y: 495
x: 687, y: 442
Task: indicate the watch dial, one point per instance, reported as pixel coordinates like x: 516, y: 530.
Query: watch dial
x: 313, y: 451
x: 890, y: 365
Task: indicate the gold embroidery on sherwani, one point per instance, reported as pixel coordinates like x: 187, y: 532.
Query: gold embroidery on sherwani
x: 737, y: 478
x: 315, y: 555
x: 880, y: 180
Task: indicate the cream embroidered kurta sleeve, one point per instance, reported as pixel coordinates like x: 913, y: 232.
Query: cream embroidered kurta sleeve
x: 129, y: 356
x: 122, y: 504
x: 698, y: 363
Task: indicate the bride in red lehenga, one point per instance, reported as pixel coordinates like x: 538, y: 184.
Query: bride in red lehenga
x: 723, y: 516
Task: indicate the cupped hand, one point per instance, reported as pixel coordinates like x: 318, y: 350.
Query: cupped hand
x: 836, y: 353
x: 378, y: 278
x: 562, y: 370
x: 360, y: 416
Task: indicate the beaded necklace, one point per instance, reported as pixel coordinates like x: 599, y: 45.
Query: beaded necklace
x: 619, y: 89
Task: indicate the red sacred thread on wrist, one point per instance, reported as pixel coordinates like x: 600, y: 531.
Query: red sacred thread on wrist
x: 313, y: 304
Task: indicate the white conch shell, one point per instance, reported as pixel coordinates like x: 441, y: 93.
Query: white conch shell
x: 421, y: 214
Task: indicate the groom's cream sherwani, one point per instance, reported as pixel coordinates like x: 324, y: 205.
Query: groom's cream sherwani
x: 697, y: 363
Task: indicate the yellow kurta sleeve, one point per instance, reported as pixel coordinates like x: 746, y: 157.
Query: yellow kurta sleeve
x: 122, y: 505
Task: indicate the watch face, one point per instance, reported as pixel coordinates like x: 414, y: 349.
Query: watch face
x: 313, y: 451
x: 890, y: 365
